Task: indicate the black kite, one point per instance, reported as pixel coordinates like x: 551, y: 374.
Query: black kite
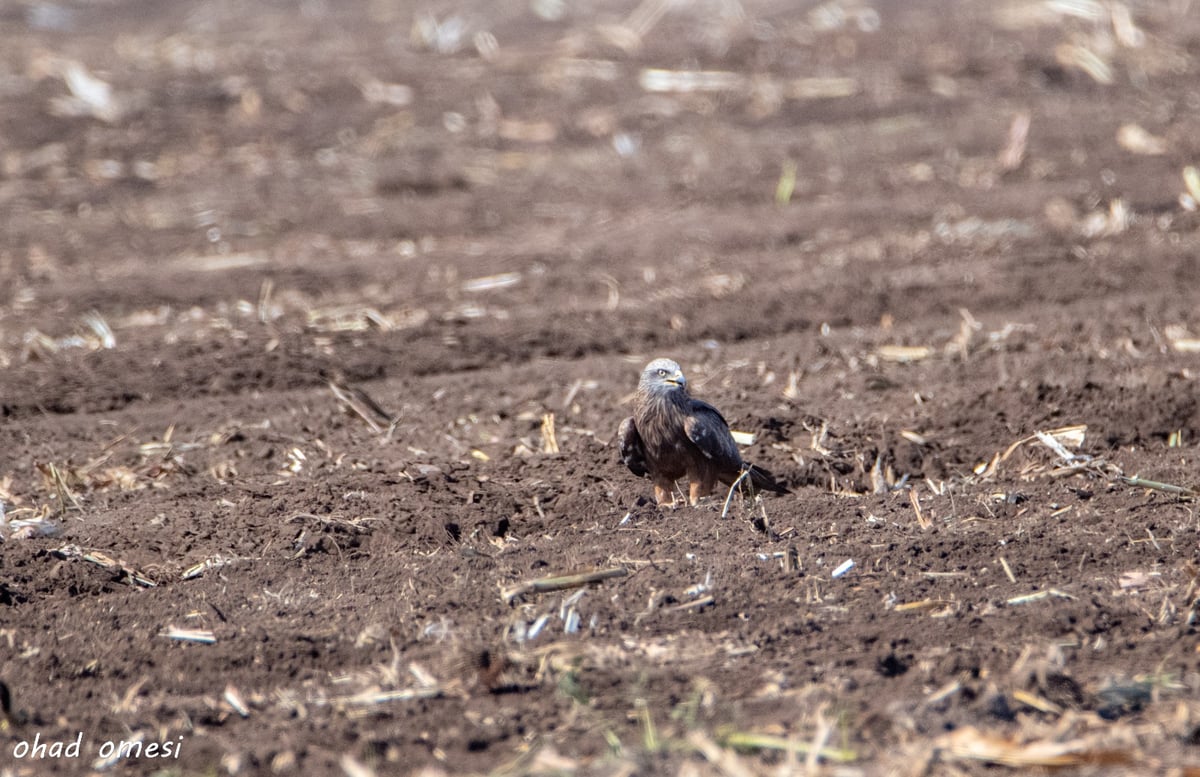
x: 671, y: 435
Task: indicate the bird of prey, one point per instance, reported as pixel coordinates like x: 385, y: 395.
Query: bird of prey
x: 671, y: 435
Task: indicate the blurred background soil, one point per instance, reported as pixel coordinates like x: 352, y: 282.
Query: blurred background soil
x: 317, y: 320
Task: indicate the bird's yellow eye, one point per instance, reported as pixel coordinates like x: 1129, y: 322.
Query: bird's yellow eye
x: 662, y: 373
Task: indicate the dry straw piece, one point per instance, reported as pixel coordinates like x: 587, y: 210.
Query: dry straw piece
x: 747, y: 741
x: 365, y: 407
x: 201, y: 636
x: 373, y: 696
x: 102, y: 560
x: 903, y: 353
x: 543, y: 585
x: 215, y: 562
x: 1191, y: 181
x: 970, y: 744
x: 233, y: 697
x: 549, y: 440
x: 1136, y: 140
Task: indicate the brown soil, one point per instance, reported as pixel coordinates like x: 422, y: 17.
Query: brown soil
x: 263, y: 209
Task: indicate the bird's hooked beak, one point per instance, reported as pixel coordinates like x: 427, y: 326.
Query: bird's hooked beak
x: 676, y: 379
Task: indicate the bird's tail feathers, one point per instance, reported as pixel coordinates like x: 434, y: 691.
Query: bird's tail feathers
x: 763, y: 480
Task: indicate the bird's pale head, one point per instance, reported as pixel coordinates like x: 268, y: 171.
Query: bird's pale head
x: 662, y: 375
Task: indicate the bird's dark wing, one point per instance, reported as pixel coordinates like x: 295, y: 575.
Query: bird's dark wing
x: 708, y: 431
x: 633, y: 452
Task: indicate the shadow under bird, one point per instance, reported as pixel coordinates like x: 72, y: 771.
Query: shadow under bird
x: 673, y: 435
